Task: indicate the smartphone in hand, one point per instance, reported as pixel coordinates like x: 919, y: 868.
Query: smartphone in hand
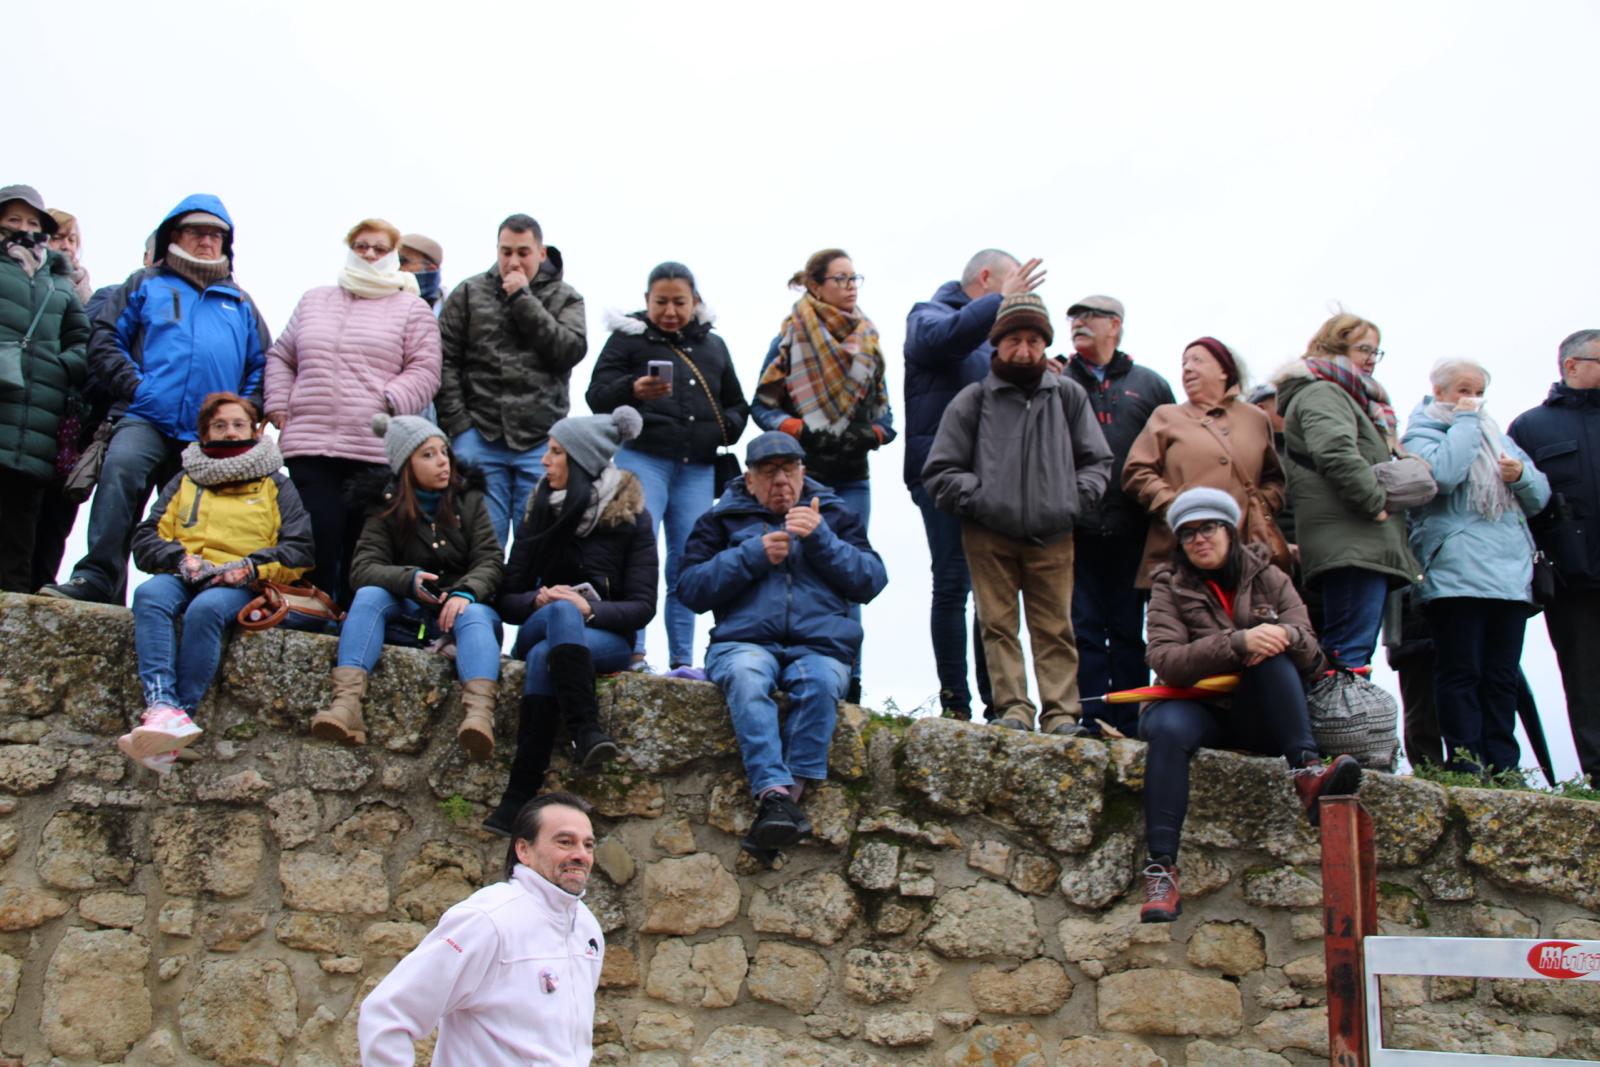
x: 587, y: 591
x: 660, y: 370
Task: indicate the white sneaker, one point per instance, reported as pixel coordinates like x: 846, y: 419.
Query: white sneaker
x: 162, y: 764
x: 163, y: 729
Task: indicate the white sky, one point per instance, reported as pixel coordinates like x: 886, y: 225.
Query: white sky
x: 1225, y: 168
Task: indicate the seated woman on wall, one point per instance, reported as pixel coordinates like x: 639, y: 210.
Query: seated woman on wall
x: 582, y: 583
x: 428, y: 559
x: 227, y: 520
x: 1221, y: 607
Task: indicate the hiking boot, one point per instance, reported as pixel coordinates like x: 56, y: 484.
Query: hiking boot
x: 1316, y: 780
x: 73, y: 589
x: 1068, y: 729
x: 1012, y: 724
x: 1162, y: 904
x: 776, y: 825
x: 341, y: 719
x: 476, y: 734
x: 162, y: 729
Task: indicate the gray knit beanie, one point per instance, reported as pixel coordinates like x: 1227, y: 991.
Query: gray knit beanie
x: 403, y: 435
x: 592, y: 440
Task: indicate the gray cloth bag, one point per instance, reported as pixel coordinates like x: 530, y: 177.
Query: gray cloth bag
x: 1352, y: 717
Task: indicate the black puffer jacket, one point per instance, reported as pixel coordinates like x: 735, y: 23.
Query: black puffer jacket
x: 466, y: 556
x: 683, y: 426
x: 1122, y: 404
x: 618, y: 558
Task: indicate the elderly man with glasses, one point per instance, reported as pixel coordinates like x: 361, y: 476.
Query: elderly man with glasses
x: 1107, y: 611
x: 779, y: 561
x: 173, y: 334
x: 1562, y: 435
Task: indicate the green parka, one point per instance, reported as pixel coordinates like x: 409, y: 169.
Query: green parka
x: 53, y: 368
x: 1337, y: 498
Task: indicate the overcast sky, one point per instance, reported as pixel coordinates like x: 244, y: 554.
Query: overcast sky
x: 1231, y: 169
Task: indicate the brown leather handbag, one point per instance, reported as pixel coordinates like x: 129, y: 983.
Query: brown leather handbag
x: 1256, y: 526
x: 274, y: 601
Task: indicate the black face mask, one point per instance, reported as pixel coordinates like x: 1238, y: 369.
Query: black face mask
x: 1024, y: 376
x: 26, y: 239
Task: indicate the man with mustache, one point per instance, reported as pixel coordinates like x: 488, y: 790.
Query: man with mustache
x: 1107, y: 611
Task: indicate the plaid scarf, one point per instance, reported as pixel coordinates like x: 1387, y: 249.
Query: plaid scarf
x: 828, y: 363
x: 1363, y: 389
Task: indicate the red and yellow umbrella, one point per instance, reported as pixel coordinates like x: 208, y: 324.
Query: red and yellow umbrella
x: 1216, y: 685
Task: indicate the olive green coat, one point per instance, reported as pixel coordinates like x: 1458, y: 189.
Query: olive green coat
x: 1337, y: 501
x: 53, y: 367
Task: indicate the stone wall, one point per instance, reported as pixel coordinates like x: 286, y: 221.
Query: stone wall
x: 970, y: 897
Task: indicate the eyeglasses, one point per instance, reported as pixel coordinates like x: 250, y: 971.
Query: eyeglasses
x: 361, y: 248
x: 846, y: 281
x: 1092, y: 313
x: 1375, y: 354
x: 203, y: 233
x: 1200, y: 529
x: 769, y: 471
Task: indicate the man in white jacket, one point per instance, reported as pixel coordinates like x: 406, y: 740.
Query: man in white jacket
x: 509, y: 974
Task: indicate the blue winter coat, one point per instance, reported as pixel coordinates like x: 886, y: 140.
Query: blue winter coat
x: 947, y: 349
x: 1464, y: 554
x: 159, y: 346
x: 1563, y: 437
x: 801, y: 603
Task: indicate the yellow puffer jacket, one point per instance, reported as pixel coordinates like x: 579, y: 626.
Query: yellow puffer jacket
x: 260, y: 520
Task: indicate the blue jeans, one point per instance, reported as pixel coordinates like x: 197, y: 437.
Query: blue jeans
x: 1108, y: 617
x: 677, y: 493
x: 857, y: 496
x: 174, y: 670
x: 511, y: 476
x: 947, y: 615
x: 747, y: 674
x: 376, y: 613
x: 1352, y: 612
x: 561, y: 623
x: 134, y: 456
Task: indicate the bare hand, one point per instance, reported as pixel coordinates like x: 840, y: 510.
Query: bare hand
x: 1510, y: 469
x: 541, y: 597
x: 1383, y: 516
x: 513, y: 280
x: 279, y: 419
x: 1265, y: 641
x: 776, y: 542
x: 648, y: 388
x: 801, y: 520
x: 422, y: 595
x: 573, y: 597
x: 453, y: 607
x: 1025, y: 279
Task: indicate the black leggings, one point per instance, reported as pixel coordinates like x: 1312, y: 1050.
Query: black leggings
x: 1268, y: 716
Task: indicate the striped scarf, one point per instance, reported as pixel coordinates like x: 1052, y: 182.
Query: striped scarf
x: 1363, y: 389
x: 828, y: 363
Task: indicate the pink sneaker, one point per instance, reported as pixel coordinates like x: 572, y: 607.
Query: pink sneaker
x: 163, y: 729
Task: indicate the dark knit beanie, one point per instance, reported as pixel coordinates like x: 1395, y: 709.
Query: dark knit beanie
x: 1224, y: 356
x: 1021, y: 311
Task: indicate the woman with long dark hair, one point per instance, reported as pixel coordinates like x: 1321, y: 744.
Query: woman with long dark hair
x: 581, y: 582
x: 1220, y: 607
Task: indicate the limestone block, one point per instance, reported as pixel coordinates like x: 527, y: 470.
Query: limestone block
x: 329, y: 768
x: 82, y: 849
x: 1577, y: 929
x: 1299, y: 1028
x: 614, y: 861
x: 1034, y: 874
x: 375, y: 825
x: 294, y: 817
x: 176, y: 918
x: 620, y: 969
x: 1038, y: 987
x: 729, y: 807
x: 607, y: 904
x: 1234, y: 948
x: 441, y: 875
x: 990, y: 857
x: 171, y: 966
x: 1200, y: 874
x: 832, y: 812
x: 1578, y: 999
x: 707, y: 975
x: 1531, y: 842
x: 684, y: 896
x: 229, y: 929
x: 894, y: 918
x: 1408, y: 817
x: 1309, y: 972
x: 10, y: 977
x: 95, y: 1000
x: 875, y: 976
x: 1240, y: 802
x: 1097, y: 879
x: 1103, y: 937
x: 9, y: 839
x: 24, y: 909
x: 1221, y: 1056
x: 314, y: 881
x: 1011, y: 1045
x: 617, y: 795
x: 899, y: 1029
x: 1175, y: 1003
x: 826, y: 1027
x: 395, y: 939
x: 666, y: 725
x: 760, y: 1046
x: 28, y: 769
x: 898, y: 823
x: 818, y: 906
x: 216, y: 852
x: 121, y: 911
x: 675, y: 837
x: 240, y: 1012
x: 875, y: 866
x: 341, y: 964
x: 789, y: 976
x: 1490, y: 921
x: 245, y: 787
x: 1101, y: 1052
x: 986, y: 919
x: 1282, y: 887
x: 1446, y: 874
x: 662, y: 1030
x: 310, y: 933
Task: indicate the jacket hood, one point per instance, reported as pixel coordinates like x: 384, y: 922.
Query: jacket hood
x: 626, y: 507
x: 195, y: 202
x: 551, y: 270
x: 1563, y: 395
x: 1290, y: 379
x: 739, y: 500
x: 951, y: 295
x: 374, y: 486
x: 637, y: 323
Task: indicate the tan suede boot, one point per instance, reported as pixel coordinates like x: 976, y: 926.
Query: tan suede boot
x: 476, y: 734
x: 341, y: 719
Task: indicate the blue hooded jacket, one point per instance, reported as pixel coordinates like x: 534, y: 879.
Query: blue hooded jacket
x: 947, y: 349
x: 800, y: 604
x: 1464, y: 553
x: 159, y: 345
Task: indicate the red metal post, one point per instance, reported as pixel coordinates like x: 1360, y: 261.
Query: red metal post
x: 1350, y: 913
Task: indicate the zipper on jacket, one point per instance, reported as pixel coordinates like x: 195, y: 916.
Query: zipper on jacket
x: 194, y: 512
x: 1022, y: 468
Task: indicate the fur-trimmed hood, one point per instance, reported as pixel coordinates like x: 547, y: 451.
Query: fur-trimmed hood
x: 376, y: 486
x: 636, y: 323
x: 626, y: 507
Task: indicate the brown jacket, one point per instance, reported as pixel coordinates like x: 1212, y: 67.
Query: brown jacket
x: 1191, y: 637
x: 1228, y: 447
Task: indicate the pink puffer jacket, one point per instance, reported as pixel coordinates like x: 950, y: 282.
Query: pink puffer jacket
x: 342, y: 359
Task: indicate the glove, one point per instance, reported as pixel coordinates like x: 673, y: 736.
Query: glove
x: 861, y: 438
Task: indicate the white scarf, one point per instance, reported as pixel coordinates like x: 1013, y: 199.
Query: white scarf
x: 376, y: 280
x: 1490, y: 495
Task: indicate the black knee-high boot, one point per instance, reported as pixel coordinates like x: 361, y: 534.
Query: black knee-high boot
x: 536, y: 739
x: 572, y: 675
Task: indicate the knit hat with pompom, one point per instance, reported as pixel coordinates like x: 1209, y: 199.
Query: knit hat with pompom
x: 592, y: 440
x: 403, y: 435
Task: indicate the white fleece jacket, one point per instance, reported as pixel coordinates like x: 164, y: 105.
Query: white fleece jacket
x: 508, y: 976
